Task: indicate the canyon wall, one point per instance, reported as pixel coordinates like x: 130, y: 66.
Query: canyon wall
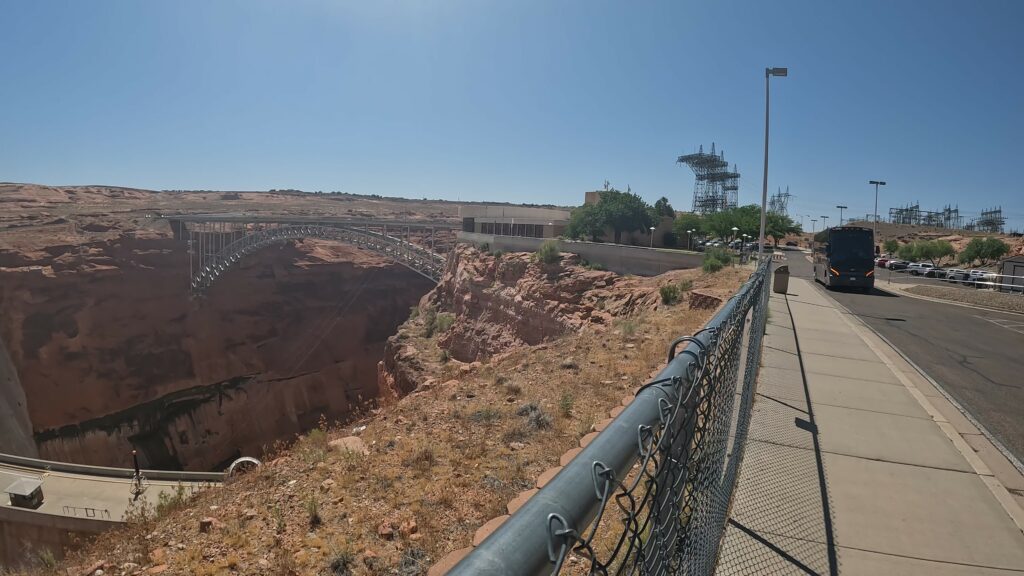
x: 114, y: 354
x: 15, y: 426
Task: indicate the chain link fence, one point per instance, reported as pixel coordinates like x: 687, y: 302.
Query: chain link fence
x: 651, y: 493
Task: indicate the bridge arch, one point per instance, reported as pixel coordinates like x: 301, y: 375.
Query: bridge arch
x: 423, y: 261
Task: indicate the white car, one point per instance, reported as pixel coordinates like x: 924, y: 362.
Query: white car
x: 919, y: 268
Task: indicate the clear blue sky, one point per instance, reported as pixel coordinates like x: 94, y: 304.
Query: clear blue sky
x: 529, y: 100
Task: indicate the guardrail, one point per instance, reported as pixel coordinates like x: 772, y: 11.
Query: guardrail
x: 651, y: 493
x: 1004, y: 283
x: 106, y: 472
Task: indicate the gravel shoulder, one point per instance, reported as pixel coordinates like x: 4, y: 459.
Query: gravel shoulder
x: 987, y: 298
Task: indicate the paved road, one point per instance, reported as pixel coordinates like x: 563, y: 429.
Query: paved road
x: 85, y: 495
x: 976, y: 355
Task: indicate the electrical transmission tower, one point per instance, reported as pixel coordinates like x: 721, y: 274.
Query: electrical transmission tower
x: 779, y: 202
x: 715, y: 188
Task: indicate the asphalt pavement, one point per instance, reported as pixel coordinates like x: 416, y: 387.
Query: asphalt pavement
x: 977, y: 356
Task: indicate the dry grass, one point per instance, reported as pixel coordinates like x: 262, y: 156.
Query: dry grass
x: 447, y: 458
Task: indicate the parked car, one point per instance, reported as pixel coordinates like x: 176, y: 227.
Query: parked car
x: 881, y: 262
x: 939, y: 273
x: 896, y: 265
x: 982, y: 279
x: 791, y: 243
x: 919, y: 268
x: 955, y: 275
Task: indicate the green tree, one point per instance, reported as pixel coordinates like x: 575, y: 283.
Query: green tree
x: 663, y: 208
x: 585, y: 222
x: 932, y: 250
x: 778, y: 226
x: 994, y: 249
x: 941, y: 249
x: 624, y: 212
x: 687, y: 221
x: 983, y: 249
x: 747, y: 219
x: 891, y: 245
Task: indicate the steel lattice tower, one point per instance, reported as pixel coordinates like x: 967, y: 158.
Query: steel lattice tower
x: 779, y: 202
x: 715, y: 188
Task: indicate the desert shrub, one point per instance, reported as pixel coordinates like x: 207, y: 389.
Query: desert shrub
x: 711, y: 265
x: 627, y: 326
x: 686, y: 285
x: 497, y: 253
x: 443, y: 321
x: 169, y: 502
x: 486, y: 416
x: 485, y: 247
x: 444, y: 357
x: 720, y: 254
x: 414, y: 562
x: 669, y: 294
x: 341, y: 562
x: 536, y: 418
x: 422, y: 459
x: 548, y: 252
x: 565, y: 404
x: 429, y: 316
x: 517, y: 433
x: 313, y: 510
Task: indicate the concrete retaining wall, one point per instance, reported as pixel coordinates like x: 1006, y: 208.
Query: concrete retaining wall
x: 15, y: 426
x: 25, y: 533
x: 614, y: 257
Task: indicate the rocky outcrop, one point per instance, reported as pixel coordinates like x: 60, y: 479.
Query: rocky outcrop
x: 113, y: 353
x: 499, y: 302
x: 510, y: 300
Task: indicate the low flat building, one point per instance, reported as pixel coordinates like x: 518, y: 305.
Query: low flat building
x: 513, y: 220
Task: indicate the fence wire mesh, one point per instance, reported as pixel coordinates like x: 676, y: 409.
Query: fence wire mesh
x: 662, y: 508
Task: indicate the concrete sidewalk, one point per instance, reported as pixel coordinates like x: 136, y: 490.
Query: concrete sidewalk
x: 856, y: 464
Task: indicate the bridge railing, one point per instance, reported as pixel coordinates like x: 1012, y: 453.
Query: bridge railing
x: 108, y: 472
x: 650, y: 494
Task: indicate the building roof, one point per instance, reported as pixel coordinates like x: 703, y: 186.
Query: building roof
x: 1017, y: 258
x: 24, y: 486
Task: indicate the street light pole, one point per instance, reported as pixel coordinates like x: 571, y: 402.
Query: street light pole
x: 841, y: 208
x: 874, y: 226
x: 768, y: 73
x: 652, y: 236
x: 824, y: 222
x: 814, y: 222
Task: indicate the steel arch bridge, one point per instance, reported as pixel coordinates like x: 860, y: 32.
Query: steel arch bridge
x: 423, y: 261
